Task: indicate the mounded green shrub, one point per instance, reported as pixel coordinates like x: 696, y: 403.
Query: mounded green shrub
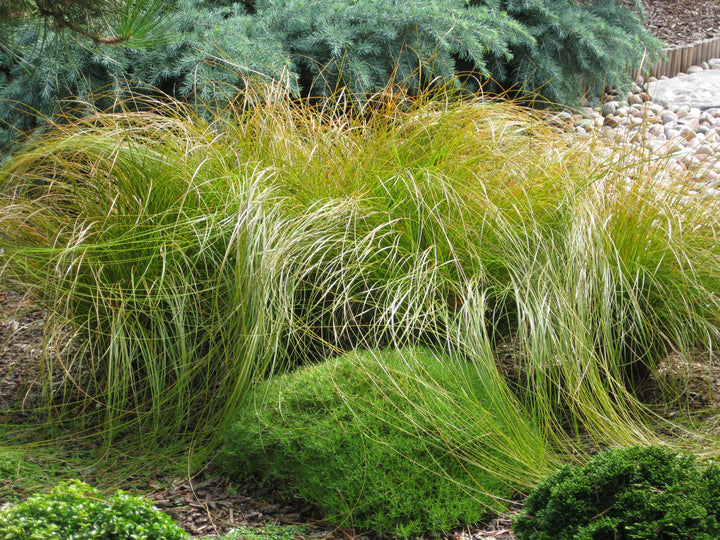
x: 638, y: 493
x: 74, y: 510
x: 378, y: 441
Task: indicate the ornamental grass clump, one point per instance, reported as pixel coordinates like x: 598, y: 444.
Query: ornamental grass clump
x: 630, y: 494
x: 590, y: 264
x: 383, y: 441
x: 190, y: 256
x: 151, y: 255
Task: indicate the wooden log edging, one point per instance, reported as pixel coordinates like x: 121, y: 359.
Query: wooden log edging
x: 679, y: 59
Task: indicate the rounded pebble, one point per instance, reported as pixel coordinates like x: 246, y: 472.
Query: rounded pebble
x: 704, y: 149
x: 611, y: 121
x: 668, y: 117
x: 687, y: 132
x: 585, y: 123
x: 656, y: 130
x: 609, y: 108
x: 683, y: 110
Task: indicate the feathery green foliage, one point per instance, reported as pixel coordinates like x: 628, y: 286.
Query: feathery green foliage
x: 378, y: 440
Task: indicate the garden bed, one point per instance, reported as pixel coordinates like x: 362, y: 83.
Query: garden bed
x: 683, y: 22
x: 207, y: 503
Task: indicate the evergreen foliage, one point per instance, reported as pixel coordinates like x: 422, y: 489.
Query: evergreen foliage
x: 362, y: 45
x: 577, y: 46
x: 377, y: 440
x: 315, y: 47
x: 41, y: 70
x: 208, y: 54
x: 630, y: 494
x: 77, y: 9
x: 113, y: 22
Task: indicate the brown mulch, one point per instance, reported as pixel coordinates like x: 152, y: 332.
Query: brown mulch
x: 21, y: 340
x: 213, y: 506
x: 683, y: 22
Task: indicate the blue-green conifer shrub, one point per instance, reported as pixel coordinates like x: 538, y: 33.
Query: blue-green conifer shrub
x: 212, y: 49
x: 578, y: 47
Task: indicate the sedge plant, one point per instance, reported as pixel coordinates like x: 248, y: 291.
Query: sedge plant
x: 190, y: 256
x: 594, y: 262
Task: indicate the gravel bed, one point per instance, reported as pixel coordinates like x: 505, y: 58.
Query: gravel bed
x: 688, y: 136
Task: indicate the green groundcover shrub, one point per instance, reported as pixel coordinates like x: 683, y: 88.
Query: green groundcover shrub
x: 638, y: 493
x: 374, y: 439
x: 76, y: 511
